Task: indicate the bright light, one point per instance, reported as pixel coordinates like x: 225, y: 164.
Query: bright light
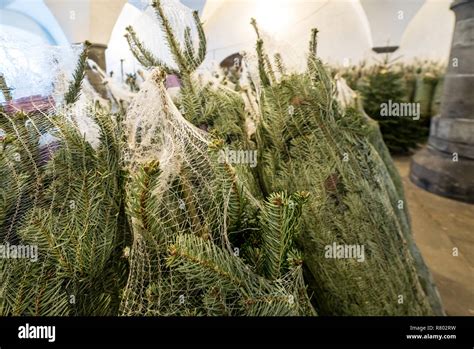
x: 274, y: 16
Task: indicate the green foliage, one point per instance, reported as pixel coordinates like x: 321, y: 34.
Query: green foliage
x: 265, y: 68
x: 75, y: 85
x: 152, y: 221
x: 144, y: 56
x: 306, y: 142
x: 401, y: 133
x: 5, y: 89
x: 199, y: 235
x: 229, y: 286
x: 185, y: 56
x: 67, y: 202
x: 313, y: 43
x: 280, y: 222
x: 400, y: 83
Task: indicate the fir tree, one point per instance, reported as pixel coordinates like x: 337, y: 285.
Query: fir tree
x: 383, y: 86
x: 153, y: 221
x: 192, y: 230
x: 63, y: 197
x: 308, y: 143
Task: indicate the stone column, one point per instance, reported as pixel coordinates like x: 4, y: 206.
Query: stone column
x: 97, y: 54
x: 446, y: 166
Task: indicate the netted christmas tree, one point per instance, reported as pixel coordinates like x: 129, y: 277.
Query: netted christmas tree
x: 203, y: 244
x: 61, y: 201
x: 307, y: 142
x: 384, y: 86
x: 389, y: 83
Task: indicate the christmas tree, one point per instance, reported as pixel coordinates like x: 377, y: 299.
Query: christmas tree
x: 384, y: 86
x: 61, y: 201
x: 390, y: 83
x: 306, y: 142
x: 153, y: 220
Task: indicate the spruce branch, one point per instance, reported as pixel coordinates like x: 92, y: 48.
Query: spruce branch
x: 202, y: 38
x: 271, y: 72
x: 186, y: 60
x: 265, y: 80
x: 5, y: 89
x: 313, y: 43
x: 265, y: 69
x: 254, y: 24
x: 171, y: 39
x: 279, y: 64
x: 279, y: 220
x: 143, y: 55
x: 75, y: 85
x: 210, y: 266
x: 206, y: 262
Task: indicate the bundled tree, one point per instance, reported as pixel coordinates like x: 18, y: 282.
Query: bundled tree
x: 61, y: 201
x: 398, y: 83
x: 202, y: 244
x: 385, y: 87
x: 307, y: 142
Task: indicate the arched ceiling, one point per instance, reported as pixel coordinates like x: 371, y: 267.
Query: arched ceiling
x: 32, y: 16
x: 388, y: 20
x: 349, y: 29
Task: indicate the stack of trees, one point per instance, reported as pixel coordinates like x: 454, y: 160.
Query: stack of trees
x: 154, y: 220
x: 420, y: 83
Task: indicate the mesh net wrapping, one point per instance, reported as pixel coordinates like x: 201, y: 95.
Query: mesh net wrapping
x: 180, y: 200
x: 310, y: 141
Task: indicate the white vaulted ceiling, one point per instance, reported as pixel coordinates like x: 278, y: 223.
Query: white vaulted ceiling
x: 348, y: 29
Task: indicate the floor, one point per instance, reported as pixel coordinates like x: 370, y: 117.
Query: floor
x: 441, y: 228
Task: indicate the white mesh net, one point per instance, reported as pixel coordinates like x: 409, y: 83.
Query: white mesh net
x: 35, y: 68
x: 149, y: 30
x: 184, y: 191
x: 182, y: 201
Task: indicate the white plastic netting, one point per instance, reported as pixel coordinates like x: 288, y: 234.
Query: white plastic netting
x: 50, y: 161
x: 38, y: 77
x: 33, y: 68
x: 149, y: 29
x: 175, y: 180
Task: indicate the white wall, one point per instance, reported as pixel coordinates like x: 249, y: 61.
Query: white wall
x: 91, y: 20
x: 430, y: 32
x: 348, y: 29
